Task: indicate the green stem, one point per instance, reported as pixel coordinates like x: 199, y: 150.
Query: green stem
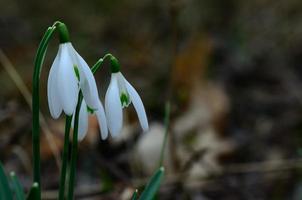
x: 99, y: 63
x: 166, y: 122
x: 74, y: 150
x: 64, y: 158
x: 35, y: 104
x: 39, y: 59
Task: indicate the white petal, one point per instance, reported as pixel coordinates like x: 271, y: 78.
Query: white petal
x: 87, y: 81
x: 67, y: 82
x: 83, y: 121
x: 113, y: 107
x: 54, y: 104
x: 138, y: 105
x: 100, y: 114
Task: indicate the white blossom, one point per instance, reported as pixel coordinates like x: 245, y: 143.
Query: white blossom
x: 68, y: 74
x: 119, y: 95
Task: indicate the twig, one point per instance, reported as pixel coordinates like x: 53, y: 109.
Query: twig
x: 254, y: 167
x: 260, y: 167
x: 15, y: 76
x: 193, y: 158
x: 264, y: 167
x: 166, y: 122
x: 113, y: 169
x: 23, y: 156
x: 174, y: 10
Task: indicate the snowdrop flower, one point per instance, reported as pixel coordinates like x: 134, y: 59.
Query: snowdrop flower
x: 68, y: 74
x: 119, y: 95
x: 83, y: 120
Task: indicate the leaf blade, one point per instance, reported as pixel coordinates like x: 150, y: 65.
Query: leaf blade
x: 17, y: 187
x: 5, y: 192
x: 134, y: 196
x: 153, y: 185
x: 34, y: 193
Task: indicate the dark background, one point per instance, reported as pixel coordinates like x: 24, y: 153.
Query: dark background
x: 230, y: 69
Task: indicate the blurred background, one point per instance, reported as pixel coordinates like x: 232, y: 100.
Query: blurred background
x: 231, y: 71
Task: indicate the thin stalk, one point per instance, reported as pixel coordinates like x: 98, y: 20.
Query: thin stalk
x: 64, y: 158
x: 72, y: 169
x: 95, y: 67
x: 36, y: 103
x: 166, y: 122
x: 99, y: 63
x: 74, y: 150
x: 39, y: 59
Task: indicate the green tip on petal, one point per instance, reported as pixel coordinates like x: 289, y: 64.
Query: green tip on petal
x: 90, y: 110
x: 63, y: 32
x: 76, y: 71
x: 125, y: 100
x: 114, y: 65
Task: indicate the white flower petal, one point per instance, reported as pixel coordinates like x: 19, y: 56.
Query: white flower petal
x: 54, y: 104
x: 83, y: 121
x: 87, y: 81
x: 100, y: 114
x: 113, y: 107
x: 138, y: 105
x: 67, y: 82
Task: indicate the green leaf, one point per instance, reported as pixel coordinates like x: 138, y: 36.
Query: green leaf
x: 153, y: 185
x: 134, y: 196
x: 5, y: 192
x: 34, y: 192
x: 17, y: 187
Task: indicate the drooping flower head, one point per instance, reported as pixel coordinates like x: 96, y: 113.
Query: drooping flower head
x: 68, y: 75
x: 121, y: 94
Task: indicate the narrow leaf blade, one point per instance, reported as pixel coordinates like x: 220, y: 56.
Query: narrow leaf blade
x: 134, y: 196
x: 17, y: 187
x: 153, y: 185
x: 34, y: 192
x: 5, y: 192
